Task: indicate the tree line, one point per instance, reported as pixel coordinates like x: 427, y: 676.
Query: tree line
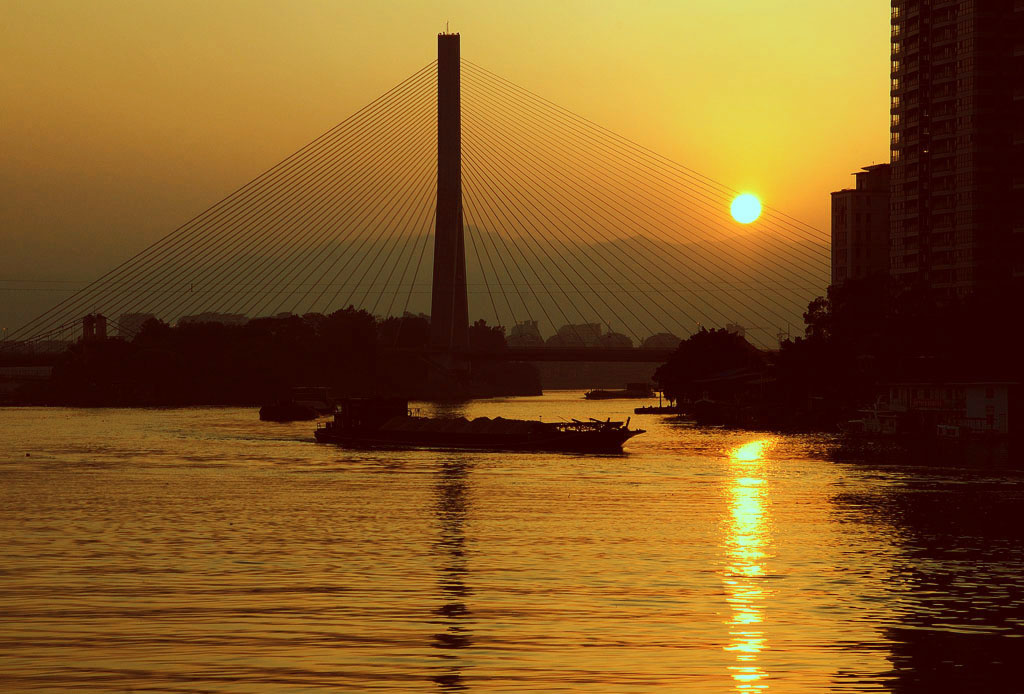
x: 349, y: 351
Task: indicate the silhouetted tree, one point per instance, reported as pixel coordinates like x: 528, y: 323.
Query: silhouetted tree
x: 486, y: 338
x: 410, y: 331
x: 703, y: 354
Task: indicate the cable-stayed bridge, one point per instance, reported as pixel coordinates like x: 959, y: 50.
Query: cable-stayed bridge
x: 460, y: 194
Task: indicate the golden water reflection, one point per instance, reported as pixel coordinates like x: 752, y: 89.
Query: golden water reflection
x: 745, y: 543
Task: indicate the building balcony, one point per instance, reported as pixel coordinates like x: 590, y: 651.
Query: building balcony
x: 904, y: 269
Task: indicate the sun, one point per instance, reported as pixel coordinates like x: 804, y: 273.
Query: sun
x: 745, y: 208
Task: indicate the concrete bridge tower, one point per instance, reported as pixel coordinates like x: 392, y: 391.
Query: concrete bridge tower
x: 449, y: 306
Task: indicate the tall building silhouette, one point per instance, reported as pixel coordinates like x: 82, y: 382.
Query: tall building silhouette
x: 957, y: 136
x: 860, y: 226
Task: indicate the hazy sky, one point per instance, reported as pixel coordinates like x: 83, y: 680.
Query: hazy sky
x: 121, y: 119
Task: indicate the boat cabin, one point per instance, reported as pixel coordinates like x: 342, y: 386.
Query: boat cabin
x: 369, y: 413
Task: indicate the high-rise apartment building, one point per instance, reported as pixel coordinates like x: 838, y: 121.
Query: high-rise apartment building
x: 957, y: 138
x: 860, y: 226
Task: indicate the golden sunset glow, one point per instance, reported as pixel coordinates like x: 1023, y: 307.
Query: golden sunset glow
x: 745, y: 541
x: 445, y: 345
x: 745, y: 208
x: 172, y: 105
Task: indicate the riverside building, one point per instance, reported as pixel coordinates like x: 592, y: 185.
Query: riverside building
x: 957, y: 136
x: 860, y: 226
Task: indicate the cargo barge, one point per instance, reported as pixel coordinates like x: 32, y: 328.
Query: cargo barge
x: 374, y: 423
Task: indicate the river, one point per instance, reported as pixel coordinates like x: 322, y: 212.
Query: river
x: 202, y: 550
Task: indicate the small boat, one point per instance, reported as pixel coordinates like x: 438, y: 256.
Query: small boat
x: 373, y: 423
x: 632, y: 390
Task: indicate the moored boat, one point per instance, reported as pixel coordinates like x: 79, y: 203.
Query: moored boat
x: 388, y: 423
x: 632, y: 390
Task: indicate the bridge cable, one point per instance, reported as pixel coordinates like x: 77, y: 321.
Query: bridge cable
x: 76, y: 302
x: 506, y: 109
x: 469, y: 206
x: 722, y: 189
x: 168, y: 269
x: 583, y: 245
x: 598, y: 204
x: 542, y: 164
x: 512, y: 107
x: 299, y: 191
x: 506, y: 213
x: 498, y: 177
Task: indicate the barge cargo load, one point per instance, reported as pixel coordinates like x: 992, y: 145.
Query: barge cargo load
x: 372, y: 423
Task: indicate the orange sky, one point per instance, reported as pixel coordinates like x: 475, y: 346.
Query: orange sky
x: 122, y: 119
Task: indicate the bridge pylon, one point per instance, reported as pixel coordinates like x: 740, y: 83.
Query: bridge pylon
x: 449, y: 305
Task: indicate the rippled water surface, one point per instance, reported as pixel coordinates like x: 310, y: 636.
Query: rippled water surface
x: 202, y: 550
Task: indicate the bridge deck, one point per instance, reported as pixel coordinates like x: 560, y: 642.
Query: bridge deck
x: 581, y: 354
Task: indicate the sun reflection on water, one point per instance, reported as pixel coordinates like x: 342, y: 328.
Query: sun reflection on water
x: 744, y: 543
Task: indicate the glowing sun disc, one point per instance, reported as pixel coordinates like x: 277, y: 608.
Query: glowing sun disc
x: 745, y: 208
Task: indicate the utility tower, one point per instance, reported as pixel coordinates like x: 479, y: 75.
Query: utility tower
x: 449, y: 306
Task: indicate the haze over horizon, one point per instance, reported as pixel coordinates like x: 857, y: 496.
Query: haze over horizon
x: 124, y: 120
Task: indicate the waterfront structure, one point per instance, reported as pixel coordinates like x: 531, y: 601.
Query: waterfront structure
x: 980, y: 407
x: 860, y: 226
x: 957, y: 133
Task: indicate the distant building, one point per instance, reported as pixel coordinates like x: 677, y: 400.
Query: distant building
x: 211, y: 317
x: 661, y: 341
x: 525, y: 334
x: 579, y: 335
x: 957, y: 144
x: 735, y: 329
x: 94, y: 328
x: 860, y: 226
x: 616, y: 341
x: 129, y: 324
